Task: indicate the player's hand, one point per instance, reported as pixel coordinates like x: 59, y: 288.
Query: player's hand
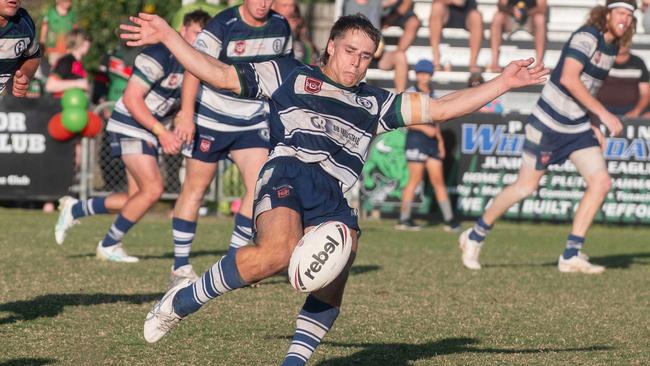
x: 148, y: 29
x: 519, y: 73
x: 599, y: 136
x: 612, y: 122
x: 21, y: 84
x: 184, y: 127
x: 170, y: 143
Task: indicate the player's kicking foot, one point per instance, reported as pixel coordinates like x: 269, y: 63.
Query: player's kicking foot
x: 162, y: 318
x: 114, y: 253
x: 471, y: 250
x: 578, y: 264
x: 65, y: 221
x: 181, y: 274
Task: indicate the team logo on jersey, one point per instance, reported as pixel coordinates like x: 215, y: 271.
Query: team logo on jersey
x: 173, y: 81
x: 204, y: 146
x: 240, y: 47
x: 283, y: 191
x: 312, y: 85
x: 365, y: 103
x: 20, y: 47
x: 277, y: 46
x: 545, y: 157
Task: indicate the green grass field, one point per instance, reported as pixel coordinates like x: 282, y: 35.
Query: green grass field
x: 409, y: 301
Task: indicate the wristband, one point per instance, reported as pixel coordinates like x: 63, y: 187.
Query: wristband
x: 157, y: 128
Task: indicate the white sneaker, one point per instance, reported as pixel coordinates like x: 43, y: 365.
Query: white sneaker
x: 578, y: 264
x: 182, y: 273
x: 65, y: 220
x: 471, y: 250
x: 162, y: 318
x: 114, y: 253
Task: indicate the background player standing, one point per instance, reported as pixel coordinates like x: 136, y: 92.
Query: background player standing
x: 225, y: 125
x: 560, y: 128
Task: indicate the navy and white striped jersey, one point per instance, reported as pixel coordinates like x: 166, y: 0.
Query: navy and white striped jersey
x: 157, y: 68
x: 316, y: 120
x: 229, y: 39
x: 17, y: 44
x: 556, y: 108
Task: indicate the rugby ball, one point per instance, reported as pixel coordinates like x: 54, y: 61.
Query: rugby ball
x: 320, y: 256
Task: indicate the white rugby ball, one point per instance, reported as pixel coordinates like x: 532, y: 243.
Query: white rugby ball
x: 320, y: 256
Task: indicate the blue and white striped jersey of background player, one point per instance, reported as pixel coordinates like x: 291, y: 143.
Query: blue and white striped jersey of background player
x: 556, y: 108
x: 158, y: 69
x: 319, y: 121
x: 17, y: 44
x: 229, y: 39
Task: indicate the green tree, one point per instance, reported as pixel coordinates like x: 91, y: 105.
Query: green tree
x: 101, y: 19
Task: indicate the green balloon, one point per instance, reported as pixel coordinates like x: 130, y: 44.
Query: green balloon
x: 211, y: 9
x: 74, y: 98
x: 74, y: 119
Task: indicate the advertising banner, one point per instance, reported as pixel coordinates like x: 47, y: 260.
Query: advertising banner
x: 488, y: 156
x: 33, y: 166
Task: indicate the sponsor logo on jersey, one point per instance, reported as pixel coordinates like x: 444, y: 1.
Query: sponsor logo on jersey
x: 545, y: 157
x: 20, y: 47
x: 313, y: 85
x: 240, y: 47
x: 283, y: 191
x: 264, y: 134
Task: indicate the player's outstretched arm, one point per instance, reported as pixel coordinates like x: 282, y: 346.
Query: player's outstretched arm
x: 516, y: 75
x: 149, y: 29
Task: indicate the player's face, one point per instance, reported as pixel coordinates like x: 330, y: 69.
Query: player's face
x: 190, y: 32
x: 618, y: 21
x: 422, y: 78
x: 350, y: 57
x: 9, y: 8
x: 258, y: 9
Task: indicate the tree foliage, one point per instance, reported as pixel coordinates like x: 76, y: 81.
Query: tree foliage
x: 101, y: 19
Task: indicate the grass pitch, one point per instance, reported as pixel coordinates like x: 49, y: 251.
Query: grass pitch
x: 409, y: 301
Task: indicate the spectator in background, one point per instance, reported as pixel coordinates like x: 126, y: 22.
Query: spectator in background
x: 388, y: 60
x: 425, y: 148
x: 626, y: 91
x: 69, y: 72
x: 513, y: 14
x: 59, y: 20
x: 456, y: 14
x: 303, y: 48
x: 494, y: 106
x: 645, y: 4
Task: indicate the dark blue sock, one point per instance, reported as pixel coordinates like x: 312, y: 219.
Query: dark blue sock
x: 242, y: 231
x: 90, y: 207
x: 314, y: 321
x: 222, y: 277
x: 573, y: 245
x: 480, y: 230
x: 183, y: 232
x: 117, y: 231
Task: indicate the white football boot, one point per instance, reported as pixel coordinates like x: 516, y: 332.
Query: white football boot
x: 114, y: 253
x: 162, y: 318
x: 65, y: 221
x: 471, y: 250
x: 578, y: 264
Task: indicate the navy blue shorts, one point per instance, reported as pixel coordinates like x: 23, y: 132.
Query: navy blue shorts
x: 126, y: 145
x: 550, y: 147
x: 211, y: 146
x: 420, y: 147
x: 304, y: 188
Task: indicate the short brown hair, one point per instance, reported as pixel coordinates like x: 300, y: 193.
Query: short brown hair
x: 351, y: 22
